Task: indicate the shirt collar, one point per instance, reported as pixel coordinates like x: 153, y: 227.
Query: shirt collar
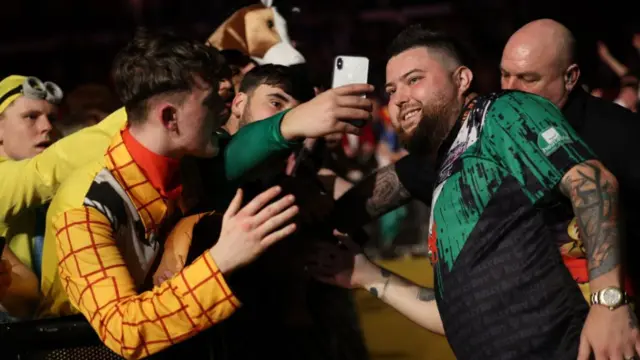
x: 163, y: 172
x: 150, y: 204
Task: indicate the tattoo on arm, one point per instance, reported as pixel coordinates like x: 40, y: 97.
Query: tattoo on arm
x: 388, y: 192
x: 594, y: 196
x: 371, y: 198
x: 426, y: 294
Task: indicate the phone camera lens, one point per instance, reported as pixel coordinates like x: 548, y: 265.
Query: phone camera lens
x: 339, y: 63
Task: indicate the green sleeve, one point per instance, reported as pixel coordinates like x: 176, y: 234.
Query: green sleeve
x: 253, y: 145
x: 530, y: 138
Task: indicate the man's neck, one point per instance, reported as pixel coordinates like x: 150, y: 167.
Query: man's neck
x: 153, y: 141
x: 162, y: 170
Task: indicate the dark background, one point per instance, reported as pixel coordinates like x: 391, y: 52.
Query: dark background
x: 73, y: 41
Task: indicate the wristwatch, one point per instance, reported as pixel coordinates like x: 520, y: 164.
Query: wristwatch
x: 611, y: 297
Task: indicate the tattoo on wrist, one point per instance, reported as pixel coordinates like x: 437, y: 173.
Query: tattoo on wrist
x: 386, y: 274
x: 388, y: 192
x: 373, y: 291
x: 426, y: 294
x: 595, y: 202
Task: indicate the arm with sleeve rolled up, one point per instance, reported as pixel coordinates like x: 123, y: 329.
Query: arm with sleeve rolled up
x: 32, y: 182
x: 134, y: 324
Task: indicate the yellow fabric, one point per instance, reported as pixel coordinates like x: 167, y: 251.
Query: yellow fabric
x: 92, y: 276
x: 27, y: 184
x: 7, y: 84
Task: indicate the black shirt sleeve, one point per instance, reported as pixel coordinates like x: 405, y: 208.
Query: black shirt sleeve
x: 418, y: 175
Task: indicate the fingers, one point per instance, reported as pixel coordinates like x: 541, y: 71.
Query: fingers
x: 260, y: 201
x: 357, y: 102
x: 278, y: 235
x: 233, y: 208
x: 585, y: 349
x: 354, y: 89
x: 345, y: 113
x: 273, y: 209
x: 277, y: 221
x: 347, y: 242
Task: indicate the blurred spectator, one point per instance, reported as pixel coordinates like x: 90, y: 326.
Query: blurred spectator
x: 628, y: 94
x: 239, y: 63
x: 87, y: 105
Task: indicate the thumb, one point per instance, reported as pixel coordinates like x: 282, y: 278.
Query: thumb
x: 585, y: 349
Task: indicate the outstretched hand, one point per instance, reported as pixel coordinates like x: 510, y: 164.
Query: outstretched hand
x: 247, y: 232
x: 341, y: 263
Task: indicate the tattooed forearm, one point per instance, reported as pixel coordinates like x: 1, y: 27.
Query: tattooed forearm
x: 594, y: 195
x: 386, y: 274
x: 371, y: 198
x: 388, y: 192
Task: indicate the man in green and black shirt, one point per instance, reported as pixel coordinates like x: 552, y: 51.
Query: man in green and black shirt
x: 503, y: 162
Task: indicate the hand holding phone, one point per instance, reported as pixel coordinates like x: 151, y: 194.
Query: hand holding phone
x: 349, y: 70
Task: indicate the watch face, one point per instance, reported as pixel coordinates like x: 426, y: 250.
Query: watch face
x: 611, y: 297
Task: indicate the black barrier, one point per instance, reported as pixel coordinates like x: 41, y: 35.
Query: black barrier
x: 66, y: 338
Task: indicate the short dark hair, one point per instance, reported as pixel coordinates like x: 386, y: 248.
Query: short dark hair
x: 155, y: 63
x: 293, y: 82
x: 236, y: 58
x: 416, y: 36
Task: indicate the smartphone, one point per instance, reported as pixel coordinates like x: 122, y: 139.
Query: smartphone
x: 3, y: 241
x: 350, y: 70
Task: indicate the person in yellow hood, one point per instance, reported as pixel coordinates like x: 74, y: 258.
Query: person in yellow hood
x: 31, y: 168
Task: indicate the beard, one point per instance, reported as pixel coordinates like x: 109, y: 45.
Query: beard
x: 433, y: 128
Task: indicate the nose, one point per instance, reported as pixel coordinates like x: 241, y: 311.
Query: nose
x: 44, y: 124
x: 508, y: 83
x: 225, y: 86
x: 400, y: 96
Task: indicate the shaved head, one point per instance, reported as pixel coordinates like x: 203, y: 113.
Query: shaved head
x: 540, y: 58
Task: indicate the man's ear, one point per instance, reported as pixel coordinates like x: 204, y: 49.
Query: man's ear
x: 238, y: 104
x: 169, y: 117
x: 571, y: 76
x: 463, y: 76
